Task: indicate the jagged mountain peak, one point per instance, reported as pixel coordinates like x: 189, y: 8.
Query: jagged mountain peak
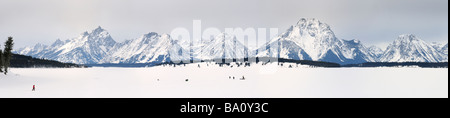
x: 444, y: 51
x: 309, y: 22
x: 99, y: 29
x: 86, y: 33
x: 313, y: 24
x: 166, y: 36
x: 315, y: 37
x: 310, y: 39
x: 406, y: 38
x: 96, y: 34
x: 309, y: 27
x: 149, y: 48
x: 353, y: 42
x: 410, y: 48
x: 375, y: 51
x: 445, y: 47
x: 58, y: 42
x: 150, y: 34
x: 146, y: 38
x: 39, y: 45
x: 437, y: 46
x: 88, y: 48
x: 154, y: 35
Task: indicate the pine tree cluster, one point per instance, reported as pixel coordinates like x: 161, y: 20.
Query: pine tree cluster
x: 5, y: 55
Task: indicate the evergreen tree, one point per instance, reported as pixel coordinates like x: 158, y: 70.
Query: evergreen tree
x: 7, y: 54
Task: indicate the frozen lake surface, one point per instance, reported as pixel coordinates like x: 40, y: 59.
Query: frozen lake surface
x: 269, y: 81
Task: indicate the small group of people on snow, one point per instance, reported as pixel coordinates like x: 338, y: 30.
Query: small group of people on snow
x: 243, y: 78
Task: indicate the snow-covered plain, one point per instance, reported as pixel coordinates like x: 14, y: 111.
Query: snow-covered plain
x: 269, y: 81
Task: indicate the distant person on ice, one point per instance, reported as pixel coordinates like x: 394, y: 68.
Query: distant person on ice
x: 34, y: 88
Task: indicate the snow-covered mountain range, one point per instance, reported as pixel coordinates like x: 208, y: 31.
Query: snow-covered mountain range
x: 309, y: 39
x: 89, y: 47
x: 223, y: 46
x: 149, y: 48
x: 409, y: 48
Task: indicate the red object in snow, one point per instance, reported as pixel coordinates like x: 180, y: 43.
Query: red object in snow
x: 34, y: 88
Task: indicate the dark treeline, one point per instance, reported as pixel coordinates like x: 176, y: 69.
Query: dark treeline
x: 8, y: 59
x: 263, y: 60
x: 227, y: 62
x: 22, y: 61
x: 400, y: 64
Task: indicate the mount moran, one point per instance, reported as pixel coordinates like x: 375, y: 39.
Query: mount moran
x: 309, y: 39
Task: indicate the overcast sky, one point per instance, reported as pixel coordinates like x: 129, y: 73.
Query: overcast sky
x: 374, y: 22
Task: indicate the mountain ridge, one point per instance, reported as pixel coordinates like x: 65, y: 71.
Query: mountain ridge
x: 410, y: 48
x: 308, y: 39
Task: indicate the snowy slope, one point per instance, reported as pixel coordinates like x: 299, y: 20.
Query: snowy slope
x: 268, y: 81
x: 376, y: 51
x: 195, y: 47
x: 356, y: 52
x: 311, y: 39
x: 34, y: 50
x: 88, y: 48
x: 149, y: 48
x: 444, y: 51
x: 409, y: 48
x: 281, y: 48
x: 223, y: 46
x: 436, y: 45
